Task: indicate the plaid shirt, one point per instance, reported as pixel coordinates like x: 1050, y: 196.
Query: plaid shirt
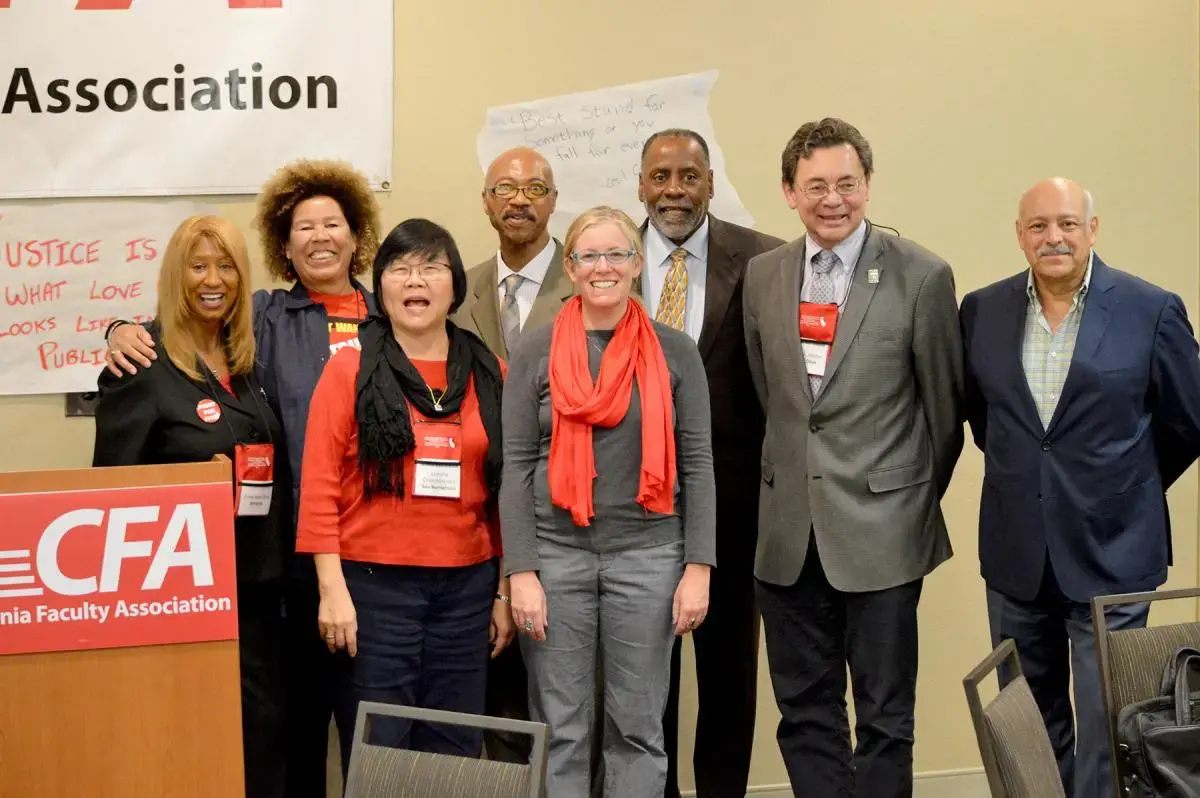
x: 1046, y: 355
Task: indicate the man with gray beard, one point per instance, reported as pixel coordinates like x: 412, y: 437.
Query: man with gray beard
x: 692, y: 281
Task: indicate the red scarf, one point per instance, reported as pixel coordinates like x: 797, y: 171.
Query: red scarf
x: 577, y: 405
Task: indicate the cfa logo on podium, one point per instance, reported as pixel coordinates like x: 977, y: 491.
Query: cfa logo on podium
x: 85, y: 551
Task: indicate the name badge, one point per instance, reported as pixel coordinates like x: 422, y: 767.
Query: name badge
x: 818, y: 323
x: 253, y: 478
x: 437, y: 467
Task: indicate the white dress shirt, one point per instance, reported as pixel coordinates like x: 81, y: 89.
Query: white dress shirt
x: 847, y: 250
x: 534, y: 274
x: 658, y: 263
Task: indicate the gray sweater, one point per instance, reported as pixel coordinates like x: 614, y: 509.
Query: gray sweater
x: 620, y: 523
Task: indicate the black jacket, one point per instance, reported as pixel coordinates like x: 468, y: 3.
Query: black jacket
x: 151, y: 417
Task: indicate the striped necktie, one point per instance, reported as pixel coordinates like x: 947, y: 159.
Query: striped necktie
x: 821, y: 293
x: 510, y: 313
x: 672, y: 305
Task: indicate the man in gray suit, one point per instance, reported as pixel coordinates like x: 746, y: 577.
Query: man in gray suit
x: 523, y: 285
x: 857, y: 360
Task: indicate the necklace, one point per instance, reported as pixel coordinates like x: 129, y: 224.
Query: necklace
x: 437, y: 400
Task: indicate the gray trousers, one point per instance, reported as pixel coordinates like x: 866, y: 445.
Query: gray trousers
x: 611, y: 611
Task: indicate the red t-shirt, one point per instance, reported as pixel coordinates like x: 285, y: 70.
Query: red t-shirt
x: 345, y: 311
x: 413, y: 530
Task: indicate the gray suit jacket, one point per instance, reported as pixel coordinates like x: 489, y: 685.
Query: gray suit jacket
x: 480, y: 312
x: 865, y: 464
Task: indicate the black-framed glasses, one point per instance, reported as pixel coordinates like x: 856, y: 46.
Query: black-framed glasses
x: 615, y: 257
x: 426, y: 271
x: 844, y: 187
x: 533, y: 191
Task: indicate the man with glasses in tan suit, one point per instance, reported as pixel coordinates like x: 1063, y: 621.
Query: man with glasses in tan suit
x: 519, y: 289
x: 522, y: 286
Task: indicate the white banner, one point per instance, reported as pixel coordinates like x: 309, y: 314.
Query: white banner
x: 185, y: 97
x: 593, y: 141
x: 68, y: 270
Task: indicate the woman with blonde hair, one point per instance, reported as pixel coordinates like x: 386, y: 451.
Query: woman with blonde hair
x: 606, y: 510
x: 319, y: 227
x: 201, y: 400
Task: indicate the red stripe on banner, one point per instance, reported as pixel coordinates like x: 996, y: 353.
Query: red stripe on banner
x: 103, y: 5
x: 5, y: 3
x: 256, y: 3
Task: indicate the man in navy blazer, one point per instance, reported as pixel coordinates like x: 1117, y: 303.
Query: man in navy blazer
x: 1083, y: 392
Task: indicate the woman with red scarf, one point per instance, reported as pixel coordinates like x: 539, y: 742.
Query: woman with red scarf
x: 607, y: 511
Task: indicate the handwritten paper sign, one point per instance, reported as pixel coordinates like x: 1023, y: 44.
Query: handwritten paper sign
x: 593, y: 141
x: 66, y: 271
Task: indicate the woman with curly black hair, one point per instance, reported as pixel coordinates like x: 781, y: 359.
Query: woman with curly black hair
x: 319, y: 226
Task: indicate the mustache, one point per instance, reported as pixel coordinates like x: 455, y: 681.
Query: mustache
x: 661, y: 207
x: 519, y: 214
x: 1057, y: 249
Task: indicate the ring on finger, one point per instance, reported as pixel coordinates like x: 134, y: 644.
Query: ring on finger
x: 528, y: 625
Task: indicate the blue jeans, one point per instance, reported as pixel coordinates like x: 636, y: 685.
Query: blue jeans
x: 610, y: 610
x: 423, y: 642
x: 1055, y: 640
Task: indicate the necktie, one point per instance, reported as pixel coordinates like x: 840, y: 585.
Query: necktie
x: 510, y: 313
x: 672, y: 305
x: 820, y: 292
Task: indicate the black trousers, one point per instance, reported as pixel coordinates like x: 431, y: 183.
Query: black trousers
x: 726, y: 647
x: 507, y: 697
x: 312, y: 685
x: 813, y: 630
x: 261, y: 642
x: 423, y: 642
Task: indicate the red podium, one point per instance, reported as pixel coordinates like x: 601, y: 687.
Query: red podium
x: 119, y: 669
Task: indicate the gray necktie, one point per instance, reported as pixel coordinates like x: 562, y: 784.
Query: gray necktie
x: 820, y: 292
x: 510, y: 314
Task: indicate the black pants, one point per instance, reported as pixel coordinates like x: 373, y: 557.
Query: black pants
x: 422, y: 641
x: 507, y: 697
x: 813, y: 630
x: 261, y: 642
x: 312, y: 674
x: 726, y: 647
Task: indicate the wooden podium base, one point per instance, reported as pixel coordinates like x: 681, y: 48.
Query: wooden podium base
x: 156, y: 722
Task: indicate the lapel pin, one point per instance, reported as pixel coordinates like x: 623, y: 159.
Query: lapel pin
x: 872, y: 276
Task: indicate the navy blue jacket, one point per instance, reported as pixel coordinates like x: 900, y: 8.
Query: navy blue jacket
x: 1090, y: 489
x: 291, y: 334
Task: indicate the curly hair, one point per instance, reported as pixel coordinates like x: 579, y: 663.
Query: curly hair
x: 302, y: 180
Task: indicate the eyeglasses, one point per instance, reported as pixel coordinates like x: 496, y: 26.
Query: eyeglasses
x: 533, y: 191
x: 426, y: 271
x: 844, y: 187
x: 615, y: 257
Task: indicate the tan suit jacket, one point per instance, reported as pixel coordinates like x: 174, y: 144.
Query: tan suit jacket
x: 480, y: 313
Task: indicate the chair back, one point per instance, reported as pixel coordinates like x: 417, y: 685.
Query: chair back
x: 1013, y: 742
x: 1132, y: 660
x: 381, y: 772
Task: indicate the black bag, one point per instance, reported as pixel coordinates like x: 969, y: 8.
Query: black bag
x: 1158, y: 740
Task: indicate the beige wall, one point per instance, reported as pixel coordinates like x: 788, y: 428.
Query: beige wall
x: 964, y: 110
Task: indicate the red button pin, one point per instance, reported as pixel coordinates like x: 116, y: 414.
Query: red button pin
x: 209, y: 411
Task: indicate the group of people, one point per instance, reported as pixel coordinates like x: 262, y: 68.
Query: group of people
x: 599, y: 445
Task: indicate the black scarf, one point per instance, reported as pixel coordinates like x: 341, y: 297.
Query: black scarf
x: 388, y: 383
